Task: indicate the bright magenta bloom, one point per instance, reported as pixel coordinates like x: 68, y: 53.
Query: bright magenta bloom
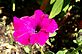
x: 33, y: 29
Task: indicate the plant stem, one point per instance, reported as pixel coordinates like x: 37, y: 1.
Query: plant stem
x: 41, y: 50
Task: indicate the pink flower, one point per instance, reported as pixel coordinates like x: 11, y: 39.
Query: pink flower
x: 33, y: 29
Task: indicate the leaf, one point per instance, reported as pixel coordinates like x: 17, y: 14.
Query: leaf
x: 80, y: 30
x: 69, y: 8
x: 48, y: 42
x: 49, y: 52
x: 77, y: 52
x: 56, y: 9
x: 79, y: 38
x: 27, y: 50
x: 65, y: 9
x: 13, y: 8
x: 52, y: 1
x: 66, y: 2
x: 62, y: 52
x: 52, y: 34
x: 37, y: 46
x: 52, y: 39
x: 74, y: 41
x: 77, y: 0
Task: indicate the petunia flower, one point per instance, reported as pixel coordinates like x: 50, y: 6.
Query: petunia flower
x: 33, y: 29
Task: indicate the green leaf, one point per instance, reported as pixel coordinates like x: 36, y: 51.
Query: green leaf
x: 62, y: 52
x: 77, y: 52
x: 52, y: 1
x: 66, y: 2
x: 48, y: 42
x: 77, y: 0
x: 27, y: 50
x: 52, y: 39
x: 49, y: 52
x: 74, y: 41
x: 80, y: 30
x: 65, y: 9
x: 52, y: 34
x: 56, y: 9
x: 69, y: 8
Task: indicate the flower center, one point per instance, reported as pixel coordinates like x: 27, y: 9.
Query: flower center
x: 37, y: 29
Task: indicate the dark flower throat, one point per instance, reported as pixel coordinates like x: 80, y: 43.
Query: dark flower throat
x: 37, y: 29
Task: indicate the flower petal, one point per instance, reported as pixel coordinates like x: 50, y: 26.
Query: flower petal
x: 33, y: 38
x: 38, y: 13
x: 49, y: 25
x: 52, y: 26
x: 38, y: 16
x: 23, y: 24
x: 23, y: 38
x: 18, y: 33
x: 18, y: 24
x: 45, y: 23
x: 42, y: 37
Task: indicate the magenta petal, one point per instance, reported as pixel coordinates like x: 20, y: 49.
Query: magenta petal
x: 42, y: 37
x: 45, y: 23
x: 52, y: 26
x: 33, y: 38
x: 49, y: 25
x: 18, y: 24
x: 38, y: 13
x: 26, y: 20
x: 23, y: 24
x: 23, y: 39
x: 18, y: 33
x: 38, y: 16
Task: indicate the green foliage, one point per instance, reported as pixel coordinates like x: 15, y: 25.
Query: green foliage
x: 78, y: 41
x: 74, y: 50
x: 59, y: 6
x: 66, y: 7
x: 52, y: 1
x: 51, y: 39
x: 56, y: 9
x: 26, y: 48
x: 77, y: 0
x: 49, y: 52
x: 80, y: 30
x: 62, y: 52
x: 79, y: 38
x: 48, y: 42
x: 52, y: 34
